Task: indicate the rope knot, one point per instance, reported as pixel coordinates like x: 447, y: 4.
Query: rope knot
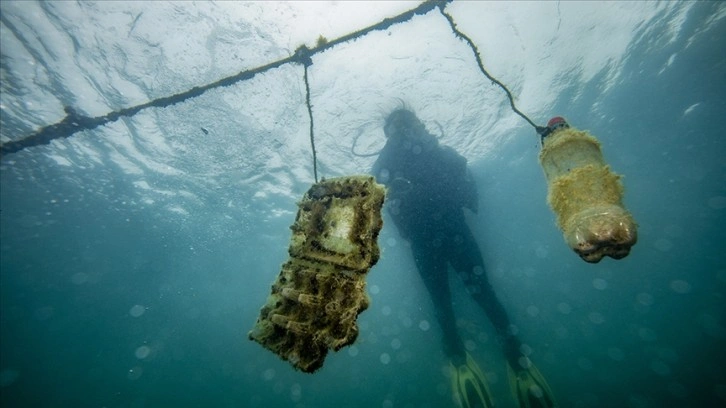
x: 302, y: 55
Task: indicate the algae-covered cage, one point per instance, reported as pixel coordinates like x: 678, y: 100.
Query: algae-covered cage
x: 316, y: 298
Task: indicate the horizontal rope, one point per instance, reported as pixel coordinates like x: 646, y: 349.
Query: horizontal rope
x: 75, y: 122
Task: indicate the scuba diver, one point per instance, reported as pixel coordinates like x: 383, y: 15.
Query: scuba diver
x: 429, y: 185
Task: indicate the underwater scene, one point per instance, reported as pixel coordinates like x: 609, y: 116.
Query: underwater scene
x: 362, y: 204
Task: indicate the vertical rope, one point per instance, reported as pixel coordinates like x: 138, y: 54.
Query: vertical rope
x: 473, y: 47
x: 303, y: 56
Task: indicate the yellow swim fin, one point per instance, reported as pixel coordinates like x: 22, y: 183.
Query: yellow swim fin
x: 530, y: 388
x: 469, y: 385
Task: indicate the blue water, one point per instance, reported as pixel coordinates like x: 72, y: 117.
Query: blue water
x: 135, y: 257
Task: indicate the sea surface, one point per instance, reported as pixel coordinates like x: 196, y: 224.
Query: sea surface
x: 135, y: 256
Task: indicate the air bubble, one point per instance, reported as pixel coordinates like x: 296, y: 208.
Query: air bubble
x: 296, y: 392
x: 268, y: 374
x: 541, y: 252
x: 680, y: 286
x: 600, y: 284
x: 674, y: 231
x: 135, y: 373
x: 385, y: 358
x: 533, y: 311
x: 645, y: 299
x: 616, y: 354
x: 8, y: 377
x: 44, y: 313
x: 668, y: 355
x: 678, y: 390
x: 720, y: 391
x: 79, y: 278
x: 717, y: 202
x: 137, y: 310
x: 585, y: 364
x: 712, y: 326
x: 663, y: 245
x: 647, y: 334
x: 142, y: 352
x: 596, y: 318
x: 424, y: 325
x: 660, y: 368
x: 562, y: 332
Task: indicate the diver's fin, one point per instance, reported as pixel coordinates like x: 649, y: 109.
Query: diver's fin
x: 530, y: 388
x: 469, y: 385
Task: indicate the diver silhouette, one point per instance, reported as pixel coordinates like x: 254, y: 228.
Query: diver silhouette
x: 429, y: 185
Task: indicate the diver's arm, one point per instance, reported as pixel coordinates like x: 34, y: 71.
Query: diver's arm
x: 381, y: 170
x: 461, y: 178
x: 470, y: 193
x: 376, y: 169
x: 384, y: 165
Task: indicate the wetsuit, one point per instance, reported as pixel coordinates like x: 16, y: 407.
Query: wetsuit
x: 429, y: 185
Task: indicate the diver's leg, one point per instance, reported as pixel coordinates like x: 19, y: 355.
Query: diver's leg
x: 528, y: 384
x: 469, y: 264
x: 432, y: 267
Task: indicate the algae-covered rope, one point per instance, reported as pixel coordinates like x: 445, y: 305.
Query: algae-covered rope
x: 75, y: 122
x: 303, y: 56
x: 474, y: 48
